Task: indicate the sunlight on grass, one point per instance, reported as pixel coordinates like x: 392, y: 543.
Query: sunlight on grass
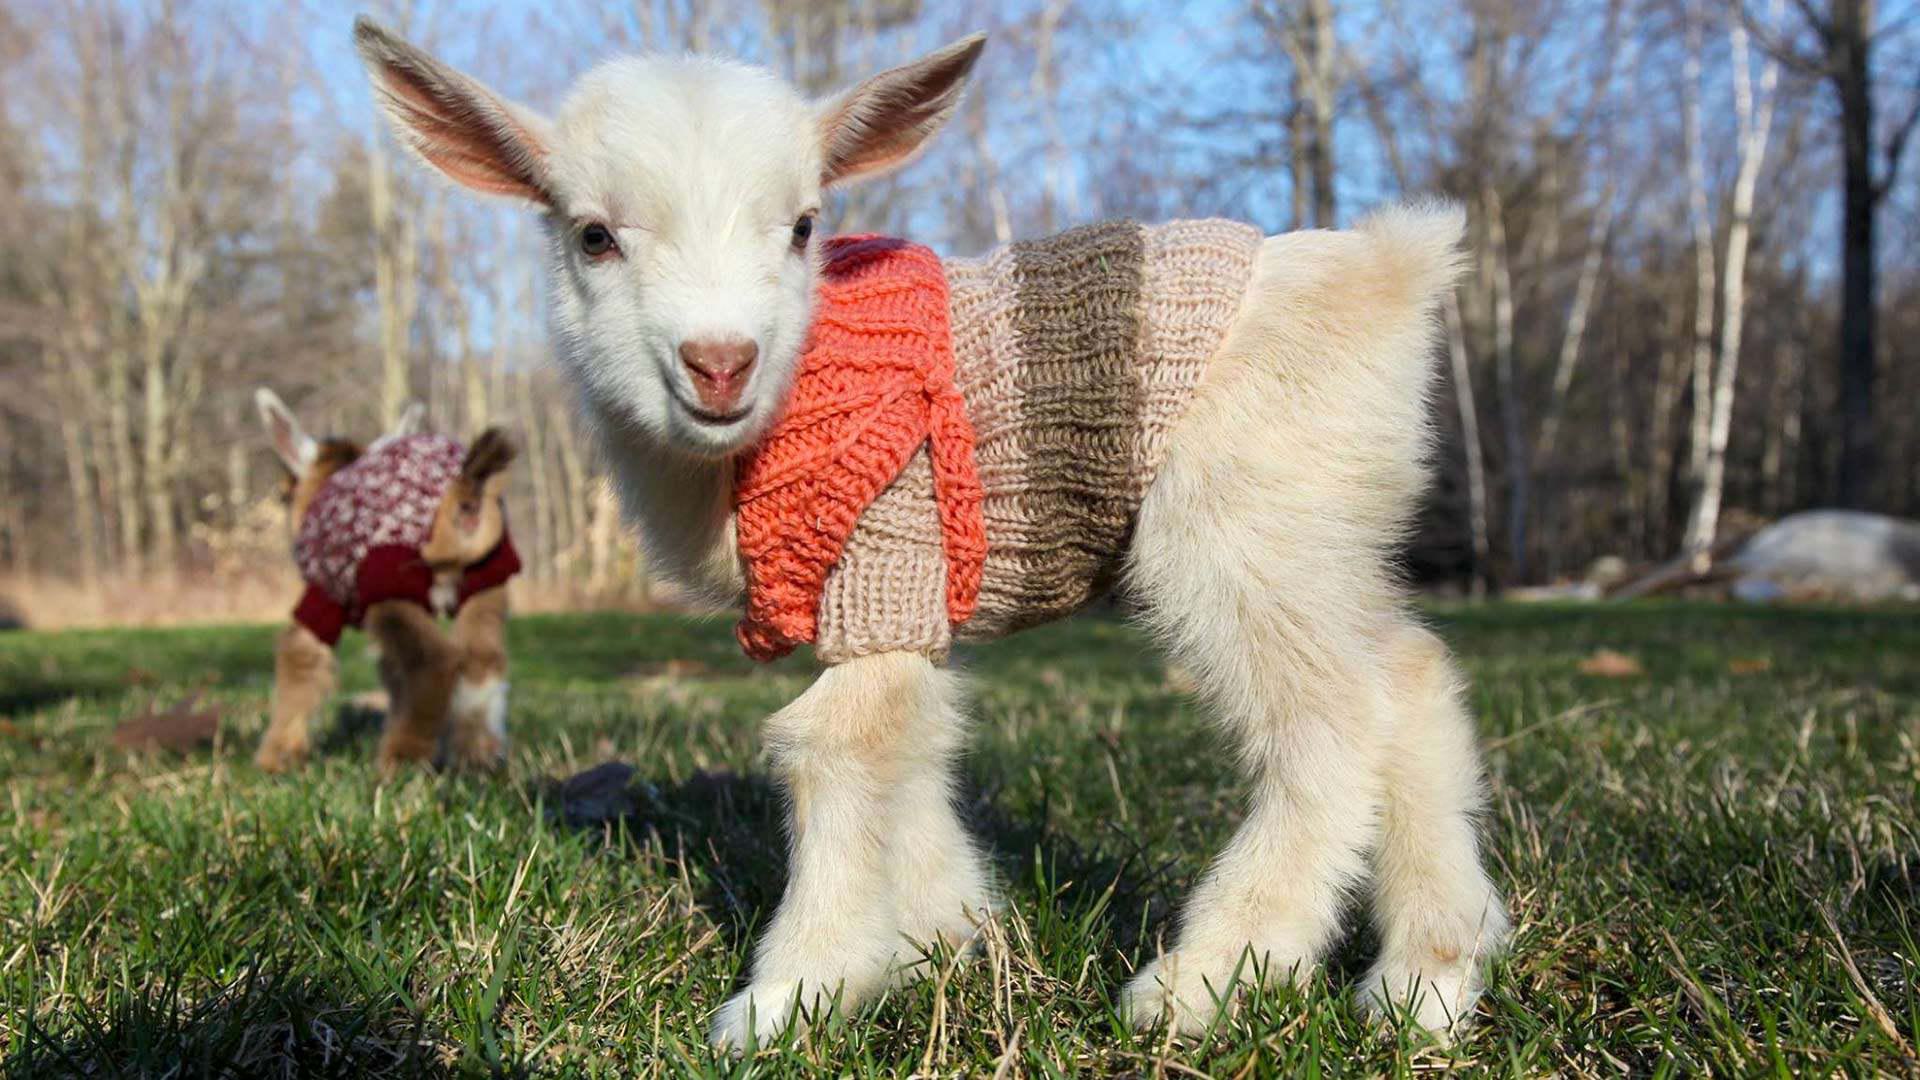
x: 1711, y: 863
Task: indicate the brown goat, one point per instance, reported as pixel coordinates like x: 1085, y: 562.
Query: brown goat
x: 373, y: 557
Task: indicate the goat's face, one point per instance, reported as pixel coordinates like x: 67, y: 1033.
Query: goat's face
x: 679, y: 199
x: 684, y: 193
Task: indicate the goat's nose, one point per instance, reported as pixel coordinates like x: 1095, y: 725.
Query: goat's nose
x: 720, y: 370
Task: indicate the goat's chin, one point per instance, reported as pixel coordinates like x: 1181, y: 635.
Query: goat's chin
x: 703, y: 436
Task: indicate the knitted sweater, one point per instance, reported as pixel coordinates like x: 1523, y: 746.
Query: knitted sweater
x: 1028, y: 394
x: 359, y: 541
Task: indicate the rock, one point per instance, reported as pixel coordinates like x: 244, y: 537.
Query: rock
x: 1830, y: 554
x: 1607, y: 571
x: 601, y: 794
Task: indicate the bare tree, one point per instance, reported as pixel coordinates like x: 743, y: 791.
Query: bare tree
x: 1838, y: 46
x: 1753, y: 114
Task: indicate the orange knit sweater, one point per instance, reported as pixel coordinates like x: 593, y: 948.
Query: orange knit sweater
x: 875, y: 381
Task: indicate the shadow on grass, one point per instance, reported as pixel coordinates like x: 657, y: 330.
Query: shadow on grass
x: 261, y: 1024
x: 729, y: 830
x: 353, y: 731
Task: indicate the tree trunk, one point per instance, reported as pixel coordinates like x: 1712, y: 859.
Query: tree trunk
x: 1858, y: 366
x: 542, y: 547
x: 573, y: 470
x: 86, y: 504
x: 394, y: 265
x: 1754, y: 121
x: 1512, y: 421
x: 120, y: 435
x: 1470, y: 440
x: 1576, y: 331
x: 154, y: 472
x: 1308, y: 36
x: 1702, y: 225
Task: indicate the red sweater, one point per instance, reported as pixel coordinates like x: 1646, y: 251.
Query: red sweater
x: 359, y: 541
x: 875, y: 381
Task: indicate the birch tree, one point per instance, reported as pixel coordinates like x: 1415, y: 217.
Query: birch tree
x: 1753, y: 115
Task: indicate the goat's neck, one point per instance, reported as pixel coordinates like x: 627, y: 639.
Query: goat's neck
x: 682, y: 509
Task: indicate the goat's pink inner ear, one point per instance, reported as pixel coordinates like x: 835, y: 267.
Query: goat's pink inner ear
x: 881, y: 123
x: 452, y: 122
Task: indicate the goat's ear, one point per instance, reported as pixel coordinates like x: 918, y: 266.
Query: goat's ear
x: 491, y: 453
x: 880, y: 124
x: 473, y: 136
x: 411, y: 422
x: 297, y: 449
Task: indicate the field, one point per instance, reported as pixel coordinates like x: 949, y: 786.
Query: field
x: 1711, y: 863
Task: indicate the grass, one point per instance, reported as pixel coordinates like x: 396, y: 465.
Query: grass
x: 1711, y: 866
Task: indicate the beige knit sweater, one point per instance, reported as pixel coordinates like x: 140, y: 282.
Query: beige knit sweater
x: 1076, y: 355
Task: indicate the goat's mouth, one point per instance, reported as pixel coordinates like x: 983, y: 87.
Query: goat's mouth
x: 709, y: 418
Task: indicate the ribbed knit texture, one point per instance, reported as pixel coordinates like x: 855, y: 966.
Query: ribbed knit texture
x: 874, y: 383
x: 1074, y: 357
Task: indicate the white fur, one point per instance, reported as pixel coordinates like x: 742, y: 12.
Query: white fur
x: 481, y: 704
x: 881, y: 866
x: 412, y: 422
x: 297, y: 449
x: 1261, y: 555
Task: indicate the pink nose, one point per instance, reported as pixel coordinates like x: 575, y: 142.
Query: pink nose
x: 720, y: 370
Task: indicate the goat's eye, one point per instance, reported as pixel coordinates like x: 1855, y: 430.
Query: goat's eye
x: 802, y: 231
x: 596, y: 241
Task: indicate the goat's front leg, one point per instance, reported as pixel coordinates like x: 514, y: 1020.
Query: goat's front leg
x: 303, y: 677
x: 420, y: 666
x: 843, y: 751
x: 477, y: 730
x: 946, y: 887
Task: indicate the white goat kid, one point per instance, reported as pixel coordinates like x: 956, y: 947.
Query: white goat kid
x: 678, y: 198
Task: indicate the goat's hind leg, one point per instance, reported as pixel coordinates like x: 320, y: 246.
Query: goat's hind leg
x: 1307, y: 725
x: 1439, y: 916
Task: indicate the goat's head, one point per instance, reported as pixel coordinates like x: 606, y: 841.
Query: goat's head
x: 309, y: 462
x: 679, y: 197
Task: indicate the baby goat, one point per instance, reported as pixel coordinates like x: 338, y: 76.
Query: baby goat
x: 882, y: 452
x: 389, y: 537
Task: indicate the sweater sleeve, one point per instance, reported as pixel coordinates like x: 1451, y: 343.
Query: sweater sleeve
x: 321, y: 615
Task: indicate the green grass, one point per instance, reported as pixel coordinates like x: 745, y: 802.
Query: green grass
x: 1709, y: 870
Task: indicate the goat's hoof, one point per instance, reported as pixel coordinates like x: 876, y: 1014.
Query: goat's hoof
x: 276, y: 757
x: 759, y: 1015
x: 395, y: 755
x: 1439, y: 999
x: 1165, y: 991
x: 481, y: 753
x: 1189, y: 990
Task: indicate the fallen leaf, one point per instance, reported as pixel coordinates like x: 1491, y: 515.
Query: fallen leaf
x: 181, y: 728
x: 1749, y: 665
x: 1609, y: 664
x: 678, y: 668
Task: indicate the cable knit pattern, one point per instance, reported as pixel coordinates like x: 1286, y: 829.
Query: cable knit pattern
x: 359, y: 541
x: 386, y: 498
x: 1073, y: 356
x: 875, y: 381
